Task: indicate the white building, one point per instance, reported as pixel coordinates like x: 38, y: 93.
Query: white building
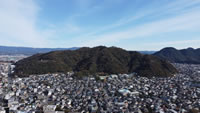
x: 2, y: 111
x: 49, y: 109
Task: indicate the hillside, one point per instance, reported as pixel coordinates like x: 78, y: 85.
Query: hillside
x: 8, y: 50
x: 189, y: 55
x: 93, y: 60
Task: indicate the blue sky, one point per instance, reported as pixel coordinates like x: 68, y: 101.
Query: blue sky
x: 129, y: 24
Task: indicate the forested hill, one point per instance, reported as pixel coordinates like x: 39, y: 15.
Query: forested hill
x: 99, y: 59
x: 189, y: 55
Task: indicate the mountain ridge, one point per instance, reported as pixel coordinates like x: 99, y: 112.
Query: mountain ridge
x: 189, y: 55
x: 99, y: 59
x: 15, y: 50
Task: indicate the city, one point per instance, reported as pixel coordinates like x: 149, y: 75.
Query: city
x: 99, y: 56
x: 62, y: 93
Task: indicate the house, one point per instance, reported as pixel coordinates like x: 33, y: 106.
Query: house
x: 134, y: 93
x: 124, y: 91
x: 55, y: 112
x: 103, y: 77
x: 113, y: 76
x: 49, y: 109
x: 2, y: 111
x: 59, y: 112
x: 22, y: 112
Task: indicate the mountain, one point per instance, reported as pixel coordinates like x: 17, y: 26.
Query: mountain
x: 7, y: 50
x: 99, y: 59
x: 189, y: 55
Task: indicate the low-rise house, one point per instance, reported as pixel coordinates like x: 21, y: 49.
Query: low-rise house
x: 49, y: 108
x: 2, y: 111
x: 124, y: 92
x: 114, y: 76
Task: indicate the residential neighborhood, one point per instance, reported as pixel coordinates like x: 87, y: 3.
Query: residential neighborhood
x: 100, y: 56
x: 123, y: 93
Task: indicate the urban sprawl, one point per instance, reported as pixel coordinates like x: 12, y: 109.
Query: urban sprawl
x: 123, y: 93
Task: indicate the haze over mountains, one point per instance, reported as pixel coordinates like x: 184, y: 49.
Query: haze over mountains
x: 189, y: 55
x: 95, y: 60
x: 171, y: 54
x: 100, y: 59
x: 10, y: 50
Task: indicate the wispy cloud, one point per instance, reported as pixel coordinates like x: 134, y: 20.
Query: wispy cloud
x: 185, y: 20
x: 18, y: 23
x: 152, y: 11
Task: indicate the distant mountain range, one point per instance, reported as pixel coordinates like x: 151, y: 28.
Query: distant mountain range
x: 10, y: 50
x: 147, y: 52
x: 189, y: 55
x: 95, y: 60
x: 171, y: 54
x: 7, y: 50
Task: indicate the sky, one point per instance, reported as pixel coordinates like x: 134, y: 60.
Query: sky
x: 129, y: 24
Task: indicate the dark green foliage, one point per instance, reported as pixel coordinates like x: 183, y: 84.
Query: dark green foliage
x: 58, y: 108
x: 194, y: 111
x: 85, y: 61
x: 190, y: 55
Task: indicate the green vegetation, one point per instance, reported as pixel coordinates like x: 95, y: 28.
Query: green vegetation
x: 190, y: 55
x: 85, y: 61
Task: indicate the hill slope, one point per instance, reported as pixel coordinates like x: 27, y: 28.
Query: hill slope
x: 93, y: 60
x: 190, y: 55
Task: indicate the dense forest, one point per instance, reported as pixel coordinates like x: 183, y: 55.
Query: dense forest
x: 99, y: 59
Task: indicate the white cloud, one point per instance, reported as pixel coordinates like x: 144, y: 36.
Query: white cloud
x: 19, y: 18
x: 154, y: 10
x: 181, y: 23
x: 187, y: 21
x: 18, y: 23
